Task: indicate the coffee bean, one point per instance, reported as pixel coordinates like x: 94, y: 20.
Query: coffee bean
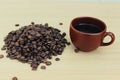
x: 68, y: 43
x: 1, y: 56
x: 29, y: 36
x: 14, y: 78
x: 33, y: 33
x: 16, y: 25
x: 42, y: 54
x: 49, y: 57
x: 48, y: 63
x: 57, y: 59
x: 60, y: 23
x: 32, y: 23
x: 38, y: 35
x: 3, y: 48
x: 64, y: 34
x: 30, y: 61
x: 26, y: 47
x: 46, y: 24
x: 16, y: 44
x: 77, y: 50
x: 34, y: 66
x: 43, y: 67
x: 59, y: 53
x: 18, y: 56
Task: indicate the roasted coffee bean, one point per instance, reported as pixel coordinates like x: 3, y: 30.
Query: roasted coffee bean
x: 29, y: 36
x: 3, y: 48
x: 49, y: 57
x: 14, y: 78
x: 46, y: 24
x: 34, y: 66
x: 38, y: 35
x: 48, y: 63
x: 68, y: 43
x: 59, y: 53
x: 57, y: 59
x: 16, y: 44
x: 60, y: 23
x: 1, y: 56
x: 64, y: 34
x: 30, y: 61
x: 33, y: 33
x: 77, y: 50
x: 26, y: 47
x: 35, y: 44
x: 43, y: 67
x: 16, y: 25
x: 18, y: 56
x: 42, y: 54
x: 32, y: 23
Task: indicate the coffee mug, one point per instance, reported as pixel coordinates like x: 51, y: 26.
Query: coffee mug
x: 88, y: 33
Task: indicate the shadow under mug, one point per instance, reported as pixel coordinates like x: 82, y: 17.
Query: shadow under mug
x: 89, y: 41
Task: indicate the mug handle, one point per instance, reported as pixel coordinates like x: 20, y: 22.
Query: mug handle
x: 112, y: 38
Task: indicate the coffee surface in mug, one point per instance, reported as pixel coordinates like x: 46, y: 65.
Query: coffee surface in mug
x: 87, y: 28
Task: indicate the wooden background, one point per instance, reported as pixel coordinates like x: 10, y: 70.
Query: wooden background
x: 100, y: 64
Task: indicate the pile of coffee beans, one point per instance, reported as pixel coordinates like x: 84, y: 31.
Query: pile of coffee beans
x: 35, y: 44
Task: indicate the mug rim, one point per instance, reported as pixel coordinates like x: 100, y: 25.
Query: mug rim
x: 104, y: 30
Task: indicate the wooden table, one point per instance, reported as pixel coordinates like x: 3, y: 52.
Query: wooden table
x: 100, y: 64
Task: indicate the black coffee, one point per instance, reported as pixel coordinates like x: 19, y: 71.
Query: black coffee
x: 87, y: 28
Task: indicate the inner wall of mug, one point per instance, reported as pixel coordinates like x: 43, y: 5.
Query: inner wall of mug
x: 88, y: 20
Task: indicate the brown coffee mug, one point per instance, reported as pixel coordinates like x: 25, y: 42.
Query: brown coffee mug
x: 88, y: 33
